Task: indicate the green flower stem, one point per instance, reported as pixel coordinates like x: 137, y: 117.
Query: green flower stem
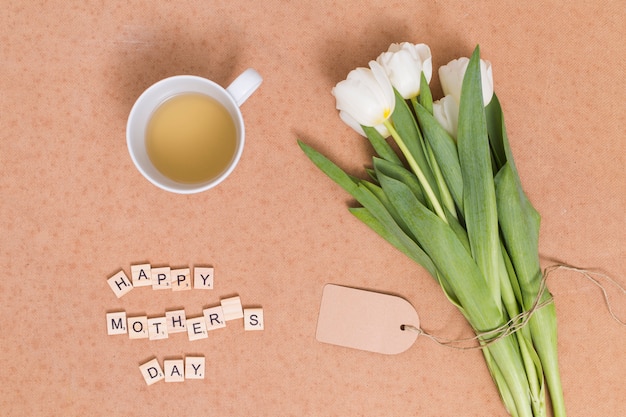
x: 446, y: 197
x: 500, y: 381
x: 529, y: 359
x: 418, y: 172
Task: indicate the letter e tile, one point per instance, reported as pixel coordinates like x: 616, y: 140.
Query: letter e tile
x: 196, y: 328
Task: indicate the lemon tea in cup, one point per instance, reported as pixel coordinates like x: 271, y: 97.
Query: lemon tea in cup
x: 185, y: 134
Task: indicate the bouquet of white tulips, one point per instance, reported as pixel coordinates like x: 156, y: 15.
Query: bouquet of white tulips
x: 448, y: 195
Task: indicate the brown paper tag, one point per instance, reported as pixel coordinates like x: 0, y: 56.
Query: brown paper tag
x: 365, y: 320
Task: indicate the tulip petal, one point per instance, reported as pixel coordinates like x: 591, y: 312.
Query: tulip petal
x: 386, y: 90
x: 446, y: 111
x: 366, y: 95
x: 404, y: 63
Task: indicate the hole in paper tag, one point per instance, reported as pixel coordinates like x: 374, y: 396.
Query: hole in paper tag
x: 365, y: 320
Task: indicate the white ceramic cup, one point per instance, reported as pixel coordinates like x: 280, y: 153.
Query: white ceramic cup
x: 230, y: 97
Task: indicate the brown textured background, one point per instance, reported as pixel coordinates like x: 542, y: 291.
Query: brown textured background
x: 74, y: 210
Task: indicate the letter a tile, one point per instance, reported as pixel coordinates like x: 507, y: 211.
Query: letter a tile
x: 141, y: 275
x: 174, y: 370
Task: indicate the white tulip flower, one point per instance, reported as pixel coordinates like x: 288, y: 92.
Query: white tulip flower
x: 446, y: 112
x: 451, y: 78
x: 404, y: 62
x: 347, y: 119
x: 366, y: 95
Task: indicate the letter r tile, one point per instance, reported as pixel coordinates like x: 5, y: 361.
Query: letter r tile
x: 214, y: 317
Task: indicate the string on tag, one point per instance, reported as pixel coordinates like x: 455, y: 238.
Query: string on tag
x: 516, y: 323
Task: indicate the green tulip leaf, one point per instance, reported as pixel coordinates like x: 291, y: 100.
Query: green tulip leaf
x: 451, y: 259
x: 381, y: 146
x: 425, y: 97
x: 401, y: 174
x: 376, y: 216
x: 479, y: 199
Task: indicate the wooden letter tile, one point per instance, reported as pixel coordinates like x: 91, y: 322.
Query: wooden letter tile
x: 157, y: 328
x: 232, y: 308
x: 203, y: 278
x: 161, y: 278
x: 120, y: 284
x: 141, y: 275
x: 116, y: 323
x: 151, y: 371
x: 253, y: 319
x: 214, y: 318
x: 176, y: 321
x: 174, y: 370
x: 138, y: 327
x: 194, y: 367
x: 181, y: 279
x: 196, y: 328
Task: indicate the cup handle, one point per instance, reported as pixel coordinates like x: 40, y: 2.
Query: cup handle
x: 244, y: 85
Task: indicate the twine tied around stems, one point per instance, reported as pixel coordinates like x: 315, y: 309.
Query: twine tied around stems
x: 518, y: 322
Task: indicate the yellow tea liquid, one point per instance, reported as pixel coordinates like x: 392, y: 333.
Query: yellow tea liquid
x: 191, y: 138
